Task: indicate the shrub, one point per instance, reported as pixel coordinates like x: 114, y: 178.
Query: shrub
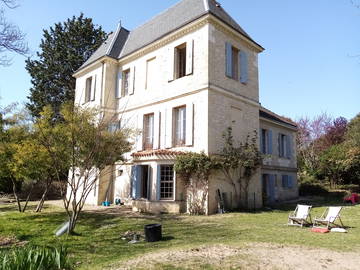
x: 35, y: 258
x: 308, y: 188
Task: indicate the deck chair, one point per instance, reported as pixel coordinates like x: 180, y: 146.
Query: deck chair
x: 300, y: 216
x: 328, y: 218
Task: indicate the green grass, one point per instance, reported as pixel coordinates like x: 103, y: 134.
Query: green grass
x: 99, y: 241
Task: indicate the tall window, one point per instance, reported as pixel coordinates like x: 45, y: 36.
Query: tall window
x: 282, y: 145
x: 180, y: 61
x: 166, y: 182
x: 148, y: 132
x: 179, y: 126
x: 126, y: 82
x: 236, y: 66
x: 263, y: 141
x: 88, y: 89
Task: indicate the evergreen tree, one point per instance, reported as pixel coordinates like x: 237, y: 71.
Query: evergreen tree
x: 63, y: 49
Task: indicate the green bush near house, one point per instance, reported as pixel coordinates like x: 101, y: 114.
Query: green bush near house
x: 35, y: 258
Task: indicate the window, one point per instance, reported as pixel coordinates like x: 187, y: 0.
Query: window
x: 166, y: 182
x: 236, y: 66
x: 266, y: 141
x: 180, y: 61
x: 126, y: 82
x: 148, y: 132
x: 88, y: 89
x: 287, y: 181
x: 284, y: 146
x: 179, y: 125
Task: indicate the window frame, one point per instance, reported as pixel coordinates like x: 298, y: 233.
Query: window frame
x: 180, y: 52
x: 148, y: 128
x: 282, y: 145
x: 125, y: 85
x: 179, y: 141
x: 171, y: 182
x: 88, y: 87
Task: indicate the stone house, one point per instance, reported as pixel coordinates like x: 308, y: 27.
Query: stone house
x: 182, y: 78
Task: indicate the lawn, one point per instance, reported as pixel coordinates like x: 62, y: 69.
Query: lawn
x: 99, y: 242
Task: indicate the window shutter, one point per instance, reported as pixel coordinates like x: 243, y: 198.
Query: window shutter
x: 84, y: 94
x: 158, y: 182
x: 272, y: 187
x: 139, y: 143
x: 284, y: 179
x: 171, y: 57
x: 243, y: 67
x: 228, y: 59
x: 118, y: 85
x: 189, y: 124
x: 261, y: 140
x: 290, y: 181
x: 93, y: 89
x: 279, y: 144
x: 135, y: 181
x: 189, y: 57
x: 149, y: 182
x: 156, y: 130
x: 162, y: 128
x: 288, y: 146
x: 269, y: 141
x: 132, y: 81
x: 168, y: 127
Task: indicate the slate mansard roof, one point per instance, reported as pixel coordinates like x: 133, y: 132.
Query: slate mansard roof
x: 122, y: 42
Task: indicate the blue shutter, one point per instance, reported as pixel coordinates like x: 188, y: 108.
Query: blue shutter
x: 158, y: 178
x: 135, y: 181
x: 261, y: 141
x: 284, y: 180
x: 243, y: 67
x: 272, y: 187
x: 290, y: 181
x: 288, y: 146
x: 228, y: 60
x: 269, y: 141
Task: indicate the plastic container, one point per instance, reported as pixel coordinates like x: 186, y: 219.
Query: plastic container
x: 153, y: 232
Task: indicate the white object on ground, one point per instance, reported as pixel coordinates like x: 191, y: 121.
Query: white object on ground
x: 338, y: 230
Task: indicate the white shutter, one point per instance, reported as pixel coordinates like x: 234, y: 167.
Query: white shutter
x: 132, y: 81
x: 189, y: 124
x: 189, y: 57
x: 118, y: 85
x: 170, y: 60
x: 162, y: 128
x: 93, y: 89
x: 168, y: 128
x: 156, y: 130
x: 83, y: 95
x: 139, y: 142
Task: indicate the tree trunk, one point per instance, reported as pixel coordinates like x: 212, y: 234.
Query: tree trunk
x: 42, y: 200
x: 15, y: 195
x: 28, y: 198
x: 72, y: 222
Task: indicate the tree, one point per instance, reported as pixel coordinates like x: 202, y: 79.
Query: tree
x: 11, y: 38
x: 14, y: 129
x: 194, y: 169
x: 83, y: 143
x: 63, y: 49
x: 239, y: 162
x: 32, y: 164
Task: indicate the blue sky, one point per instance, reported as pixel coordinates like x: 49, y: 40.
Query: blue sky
x: 311, y: 63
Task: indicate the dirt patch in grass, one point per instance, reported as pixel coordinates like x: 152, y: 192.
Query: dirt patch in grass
x: 251, y: 256
x: 9, y: 241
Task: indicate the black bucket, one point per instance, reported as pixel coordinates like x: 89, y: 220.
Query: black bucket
x: 153, y: 232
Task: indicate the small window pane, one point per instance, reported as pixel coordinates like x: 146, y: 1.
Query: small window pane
x: 166, y: 182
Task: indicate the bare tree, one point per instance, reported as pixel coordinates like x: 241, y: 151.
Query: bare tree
x: 11, y: 38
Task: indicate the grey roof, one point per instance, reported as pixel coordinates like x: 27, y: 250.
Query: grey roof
x: 175, y: 17
x: 111, y: 47
x: 266, y: 113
